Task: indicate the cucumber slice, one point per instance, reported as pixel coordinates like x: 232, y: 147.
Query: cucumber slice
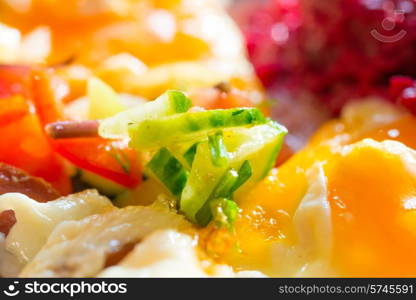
x: 244, y: 174
x: 189, y: 154
x: 187, y: 127
x: 202, y: 180
x: 104, y: 186
x: 144, y: 194
x: 225, y: 212
x: 169, y: 171
x: 219, y: 154
x: 228, y: 184
x: 260, y: 145
x: 169, y: 103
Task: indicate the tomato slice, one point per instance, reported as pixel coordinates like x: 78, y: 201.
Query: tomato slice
x: 215, y: 98
x: 23, y: 143
x: 48, y: 92
x: 14, y: 80
x: 14, y: 91
x: 30, y: 99
x: 113, y: 160
x: 12, y: 108
x: 110, y: 159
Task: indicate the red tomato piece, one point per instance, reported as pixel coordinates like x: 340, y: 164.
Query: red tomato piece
x: 113, y: 160
x: 215, y: 98
x: 14, y: 80
x: 110, y: 159
x: 23, y: 141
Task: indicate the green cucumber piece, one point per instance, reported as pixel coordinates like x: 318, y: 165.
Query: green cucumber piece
x: 169, y: 171
x: 223, y: 190
x: 144, y: 194
x: 103, y: 185
x: 189, y: 154
x: 229, y: 183
x: 169, y: 103
x: 219, y: 154
x: 202, y: 180
x: 224, y: 212
x: 260, y: 145
x: 190, y: 126
x: 244, y: 175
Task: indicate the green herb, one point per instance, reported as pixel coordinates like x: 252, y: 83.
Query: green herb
x: 121, y: 158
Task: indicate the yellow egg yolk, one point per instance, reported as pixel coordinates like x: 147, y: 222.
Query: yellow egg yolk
x: 371, y: 190
x: 372, y: 195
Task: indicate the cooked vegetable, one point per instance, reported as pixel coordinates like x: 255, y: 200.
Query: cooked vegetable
x: 169, y: 171
x: 186, y: 127
x: 169, y: 103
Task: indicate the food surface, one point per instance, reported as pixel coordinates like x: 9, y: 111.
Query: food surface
x: 136, y: 139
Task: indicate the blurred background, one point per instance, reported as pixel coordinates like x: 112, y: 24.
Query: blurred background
x: 316, y: 55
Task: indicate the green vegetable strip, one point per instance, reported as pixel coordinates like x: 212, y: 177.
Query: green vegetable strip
x: 179, y: 102
x: 244, y: 174
x: 276, y: 149
x: 228, y: 184
x: 186, y: 127
x: 202, y: 180
x: 225, y: 212
x: 219, y: 154
x: 169, y: 103
x: 169, y: 171
x: 223, y: 190
x: 189, y: 155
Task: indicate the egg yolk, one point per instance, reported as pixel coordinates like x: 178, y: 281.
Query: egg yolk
x: 372, y: 195
x: 371, y: 191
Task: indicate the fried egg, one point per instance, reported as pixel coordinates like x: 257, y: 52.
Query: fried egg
x: 343, y: 206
